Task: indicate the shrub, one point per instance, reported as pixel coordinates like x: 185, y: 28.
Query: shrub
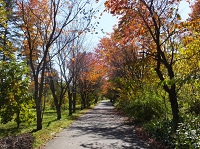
x: 188, y: 133
x: 161, y: 130
x: 145, y: 108
x: 195, y: 107
x: 187, y: 136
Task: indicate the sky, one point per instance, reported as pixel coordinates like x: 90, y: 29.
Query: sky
x: 107, y: 21
x: 184, y: 10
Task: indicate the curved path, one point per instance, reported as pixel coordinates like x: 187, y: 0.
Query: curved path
x: 100, y: 128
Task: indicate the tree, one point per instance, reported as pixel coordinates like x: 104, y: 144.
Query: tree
x: 74, y: 66
x: 67, y: 60
x: 9, y: 31
x: 194, y: 15
x: 152, y: 26
x: 43, y: 23
x: 129, y: 73
x: 89, y: 78
x: 59, y: 79
x: 15, y: 100
x: 3, y: 19
x: 188, y: 62
x: 58, y: 89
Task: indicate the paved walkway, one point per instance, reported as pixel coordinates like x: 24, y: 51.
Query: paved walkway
x: 100, y: 128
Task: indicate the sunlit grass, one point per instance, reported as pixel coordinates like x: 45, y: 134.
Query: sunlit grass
x: 51, y: 126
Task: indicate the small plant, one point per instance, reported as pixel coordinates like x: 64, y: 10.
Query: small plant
x: 188, y: 133
x: 161, y: 130
x: 195, y: 107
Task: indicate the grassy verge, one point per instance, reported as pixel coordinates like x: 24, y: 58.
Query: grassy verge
x: 51, y: 126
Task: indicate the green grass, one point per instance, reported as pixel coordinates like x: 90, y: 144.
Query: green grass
x: 51, y: 126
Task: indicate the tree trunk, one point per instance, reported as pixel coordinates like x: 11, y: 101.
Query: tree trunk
x: 18, y: 118
x: 173, y: 97
x: 55, y: 98
x: 83, y: 101
x: 39, y: 114
x: 170, y: 90
x: 74, y: 102
x: 38, y: 106
x: 174, y: 106
x: 70, y: 102
x: 58, y: 111
x: 88, y: 102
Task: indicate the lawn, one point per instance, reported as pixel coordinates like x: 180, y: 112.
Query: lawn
x: 51, y: 126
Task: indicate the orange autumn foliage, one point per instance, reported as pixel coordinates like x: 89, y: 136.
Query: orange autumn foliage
x: 36, y: 24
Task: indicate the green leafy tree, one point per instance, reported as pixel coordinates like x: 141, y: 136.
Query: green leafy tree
x: 9, y: 30
x: 15, y: 101
x: 188, y: 61
x: 2, y: 12
x: 3, y: 19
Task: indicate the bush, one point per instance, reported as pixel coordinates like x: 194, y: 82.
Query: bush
x: 141, y: 111
x: 187, y: 136
x: 161, y: 130
x: 195, y: 107
x: 146, y: 108
x: 188, y: 133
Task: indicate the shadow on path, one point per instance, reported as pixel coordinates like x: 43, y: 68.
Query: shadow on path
x: 101, y: 128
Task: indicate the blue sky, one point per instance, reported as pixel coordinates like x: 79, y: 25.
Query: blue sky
x: 106, y: 23
x: 184, y: 10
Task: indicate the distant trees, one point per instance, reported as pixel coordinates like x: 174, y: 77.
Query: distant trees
x: 48, y: 37
x: 67, y: 60
x: 3, y: 12
x: 90, y: 78
x: 152, y: 28
x: 43, y: 23
x: 3, y: 20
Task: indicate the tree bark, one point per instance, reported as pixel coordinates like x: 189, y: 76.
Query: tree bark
x: 174, y: 106
x: 83, y: 101
x: 38, y: 104
x: 70, y: 102
x: 55, y: 98
x: 39, y: 118
x: 58, y: 111
x: 74, y: 101
x: 171, y: 90
x: 18, y: 118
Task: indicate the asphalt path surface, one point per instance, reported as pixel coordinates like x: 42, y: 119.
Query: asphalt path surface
x: 100, y: 128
